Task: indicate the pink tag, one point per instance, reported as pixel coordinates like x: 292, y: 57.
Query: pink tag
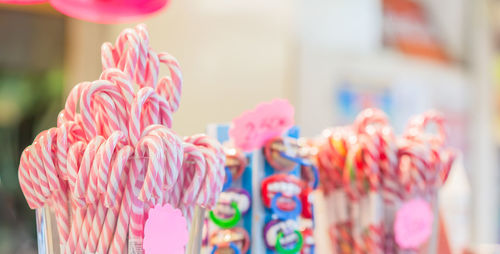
x: 413, y: 225
x: 253, y: 128
x: 165, y: 229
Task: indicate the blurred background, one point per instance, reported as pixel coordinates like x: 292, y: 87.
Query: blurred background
x: 330, y: 58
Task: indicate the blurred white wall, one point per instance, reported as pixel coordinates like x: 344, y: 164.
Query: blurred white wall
x: 234, y: 54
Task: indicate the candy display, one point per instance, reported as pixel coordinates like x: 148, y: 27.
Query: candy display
x: 113, y: 155
x: 369, y: 176
x: 274, y: 175
x: 372, y: 182
x: 228, y: 227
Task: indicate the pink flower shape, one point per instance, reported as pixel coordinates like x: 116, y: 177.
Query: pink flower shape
x: 165, y: 229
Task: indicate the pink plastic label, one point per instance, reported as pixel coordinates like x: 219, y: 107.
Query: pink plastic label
x: 165, y: 229
x: 253, y: 128
x: 413, y: 225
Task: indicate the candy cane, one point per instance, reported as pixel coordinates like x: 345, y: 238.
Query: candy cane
x: 194, y: 164
x: 175, y: 88
x: 97, y: 186
x: 69, y: 112
x: 88, y: 155
x: 151, y: 147
x: 85, y: 169
x: 129, y: 40
x: 74, y: 158
x: 215, y: 159
x: 28, y: 186
x: 140, y: 75
x: 173, y: 151
x: 106, y: 154
x: 115, y: 188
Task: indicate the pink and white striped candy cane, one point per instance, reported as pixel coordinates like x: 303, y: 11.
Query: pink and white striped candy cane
x: 113, y: 185
x: 115, y: 141
x: 28, y: 187
x: 55, y: 184
x: 136, y: 225
x: 151, y: 148
x: 124, y: 84
x: 69, y: 111
x: 153, y: 69
x: 116, y: 186
x: 172, y: 90
x: 127, y: 46
x: 44, y: 150
x: 185, y: 180
x: 119, y: 240
x: 83, y: 182
x: 85, y: 228
x: 92, y: 211
x: 194, y: 167
x: 135, y: 128
x: 215, y: 160
x: 37, y: 171
x: 151, y: 112
x: 87, y: 107
x: 174, y: 151
x: 96, y: 226
x: 143, y: 58
x: 75, y: 154
x: 99, y: 176
x: 109, y: 56
x: 62, y: 149
x: 85, y: 170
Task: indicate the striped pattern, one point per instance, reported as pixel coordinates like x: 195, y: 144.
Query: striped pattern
x: 113, y: 156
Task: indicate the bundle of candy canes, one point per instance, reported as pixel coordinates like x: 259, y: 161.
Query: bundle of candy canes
x: 113, y: 155
x: 367, y: 172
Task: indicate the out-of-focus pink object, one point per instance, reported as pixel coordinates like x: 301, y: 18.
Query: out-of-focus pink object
x: 253, y: 128
x: 413, y: 225
x: 23, y: 2
x: 108, y: 11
